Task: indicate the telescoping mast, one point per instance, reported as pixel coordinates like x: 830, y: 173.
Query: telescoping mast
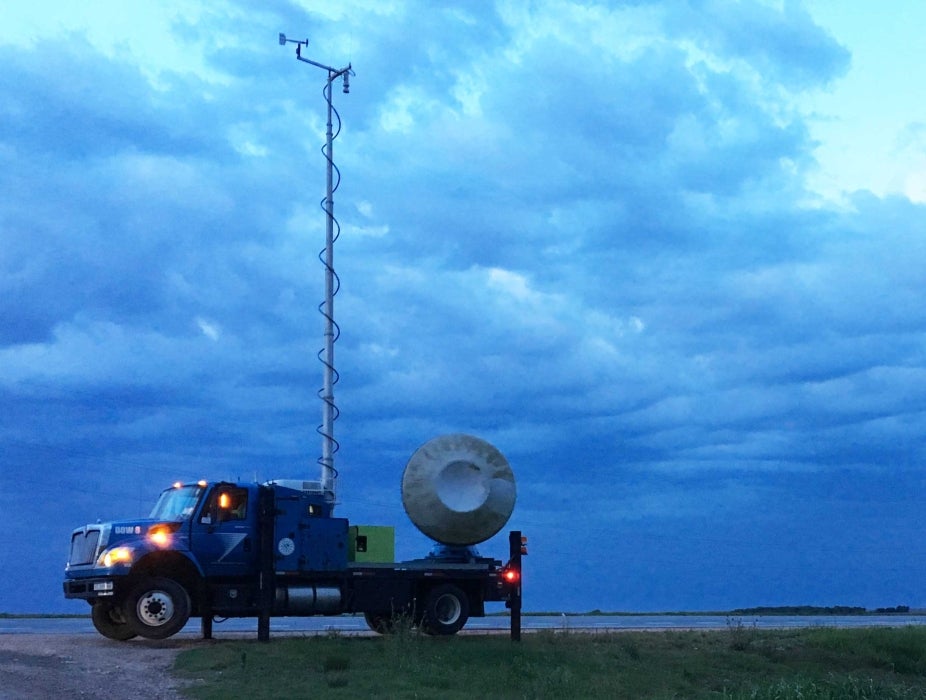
x: 329, y: 473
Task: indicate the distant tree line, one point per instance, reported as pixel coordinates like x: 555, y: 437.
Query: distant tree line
x: 739, y: 612
x: 803, y: 610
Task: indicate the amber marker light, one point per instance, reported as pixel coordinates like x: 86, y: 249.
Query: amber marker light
x: 159, y: 535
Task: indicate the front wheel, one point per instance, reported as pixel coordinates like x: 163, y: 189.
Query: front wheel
x: 110, y: 621
x: 157, y: 608
x: 446, y: 610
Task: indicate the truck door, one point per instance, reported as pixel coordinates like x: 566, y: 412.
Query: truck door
x: 224, y: 534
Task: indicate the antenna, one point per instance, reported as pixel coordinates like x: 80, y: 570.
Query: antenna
x: 332, y: 283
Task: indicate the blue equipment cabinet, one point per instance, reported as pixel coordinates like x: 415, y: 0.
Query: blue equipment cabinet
x: 306, y: 537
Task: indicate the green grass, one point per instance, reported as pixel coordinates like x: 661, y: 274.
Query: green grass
x: 737, y: 663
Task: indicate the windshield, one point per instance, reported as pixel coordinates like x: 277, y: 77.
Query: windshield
x: 177, y: 503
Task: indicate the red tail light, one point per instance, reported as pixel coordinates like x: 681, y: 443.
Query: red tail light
x: 511, y: 576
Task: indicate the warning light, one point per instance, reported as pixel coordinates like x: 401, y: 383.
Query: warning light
x: 511, y: 575
x: 224, y: 500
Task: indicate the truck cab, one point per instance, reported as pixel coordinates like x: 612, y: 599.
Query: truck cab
x: 194, y: 531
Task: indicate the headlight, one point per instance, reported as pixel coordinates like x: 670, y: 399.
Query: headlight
x: 116, y: 555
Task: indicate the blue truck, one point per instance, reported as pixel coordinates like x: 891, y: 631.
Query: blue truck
x: 221, y: 549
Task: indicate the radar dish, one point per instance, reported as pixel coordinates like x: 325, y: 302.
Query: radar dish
x: 458, y: 490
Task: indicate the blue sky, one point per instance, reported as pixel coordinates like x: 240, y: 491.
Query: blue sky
x: 667, y: 256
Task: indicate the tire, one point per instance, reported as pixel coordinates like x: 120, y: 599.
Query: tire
x: 110, y: 621
x: 378, y: 622
x: 157, y: 608
x: 446, y: 610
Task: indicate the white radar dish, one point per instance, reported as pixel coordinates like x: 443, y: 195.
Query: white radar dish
x: 458, y: 490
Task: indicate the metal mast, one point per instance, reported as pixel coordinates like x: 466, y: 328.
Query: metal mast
x: 329, y: 409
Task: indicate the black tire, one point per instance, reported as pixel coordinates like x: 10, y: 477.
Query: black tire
x: 157, y: 608
x: 378, y: 622
x: 446, y: 610
x: 110, y: 621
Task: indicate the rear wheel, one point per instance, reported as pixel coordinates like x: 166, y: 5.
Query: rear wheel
x: 446, y: 610
x: 378, y: 622
x: 110, y: 621
x: 157, y: 608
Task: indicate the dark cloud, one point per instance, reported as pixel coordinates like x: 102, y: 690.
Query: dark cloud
x: 72, y: 103
x: 782, y: 43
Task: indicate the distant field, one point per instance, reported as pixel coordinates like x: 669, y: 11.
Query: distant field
x: 738, y: 662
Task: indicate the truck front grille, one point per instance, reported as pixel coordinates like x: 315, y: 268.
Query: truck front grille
x: 83, y: 547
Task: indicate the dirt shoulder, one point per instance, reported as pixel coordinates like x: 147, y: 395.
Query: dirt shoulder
x: 44, y: 666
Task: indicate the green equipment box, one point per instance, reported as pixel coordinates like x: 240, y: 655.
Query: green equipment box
x: 371, y: 543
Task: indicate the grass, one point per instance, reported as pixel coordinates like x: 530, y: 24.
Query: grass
x: 737, y: 663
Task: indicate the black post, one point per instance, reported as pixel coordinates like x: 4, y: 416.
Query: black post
x: 206, y: 622
x: 266, y: 591
x: 514, y: 561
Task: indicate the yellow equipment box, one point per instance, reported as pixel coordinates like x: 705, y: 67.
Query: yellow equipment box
x: 371, y: 543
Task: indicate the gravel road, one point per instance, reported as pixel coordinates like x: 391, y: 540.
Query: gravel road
x: 41, y: 666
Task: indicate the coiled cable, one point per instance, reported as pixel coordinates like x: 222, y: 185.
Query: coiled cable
x: 328, y: 399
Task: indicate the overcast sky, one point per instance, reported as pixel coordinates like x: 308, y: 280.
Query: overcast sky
x: 668, y: 257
